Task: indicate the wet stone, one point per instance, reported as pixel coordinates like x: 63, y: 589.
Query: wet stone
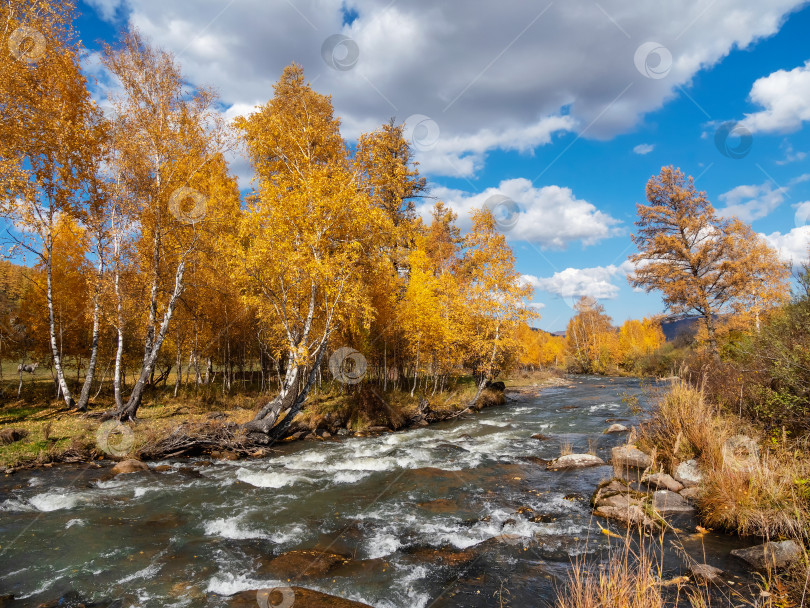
x: 303, y: 597
x: 771, y: 554
x: 666, y: 502
x: 302, y: 564
x: 705, y: 573
x: 575, y: 461
x: 663, y: 481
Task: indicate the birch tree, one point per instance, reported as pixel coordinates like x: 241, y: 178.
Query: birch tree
x: 49, y: 140
x: 169, y: 143
x: 308, y: 230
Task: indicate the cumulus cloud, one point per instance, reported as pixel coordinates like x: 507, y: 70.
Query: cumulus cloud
x: 505, y: 75
x: 751, y: 202
x: 549, y: 216
x: 792, y: 246
x: 573, y: 283
x: 785, y: 95
x: 643, y: 149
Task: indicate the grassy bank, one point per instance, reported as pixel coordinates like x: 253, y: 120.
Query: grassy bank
x: 53, y: 434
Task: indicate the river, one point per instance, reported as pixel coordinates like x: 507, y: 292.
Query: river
x: 428, y: 517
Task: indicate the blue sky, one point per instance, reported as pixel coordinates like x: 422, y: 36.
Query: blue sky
x: 550, y: 106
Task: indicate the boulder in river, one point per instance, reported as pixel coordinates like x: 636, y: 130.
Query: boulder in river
x: 616, y: 428
x: 443, y: 556
x: 630, y: 456
x: 540, y: 437
x: 574, y: 461
x: 303, y: 564
x: 616, y: 500
x: 129, y: 466
x: 704, y: 573
x: 666, y: 502
x: 770, y: 555
x: 663, y: 482
x: 631, y: 515
x: 688, y: 473
x: 300, y: 596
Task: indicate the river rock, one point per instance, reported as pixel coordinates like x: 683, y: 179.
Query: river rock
x: 6, y: 600
x: 378, y: 429
x: 443, y: 556
x: 574, y: 461
x: 129, y: 466
x: 666, y: 502
x: 688, y: 473
x: 620, y: 501
x: 632, y: 515
x: 540, y: 437
x: 662, y: 481
x: 440, y: 505
x: 303, y: 597
x: 608, y: 488
x: 303, y: 564
x: 11, y: 435
x: 692, y: 493
x: 630, y: 456
x: 705, y: 573
x: 343, y: 432
x: 616, y: 428
x: 771, y: 554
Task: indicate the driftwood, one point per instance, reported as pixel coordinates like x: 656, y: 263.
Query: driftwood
x: 198, y: 438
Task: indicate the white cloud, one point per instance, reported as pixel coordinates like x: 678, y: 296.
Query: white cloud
x: 791, y: 155
x: 108, y: 10
x: 792, y: 246
x: 505, y: 75
x: 549, y: 216
x: 751, y: 202
x: 786, y: 99
x: 643, y: 149
x: 572, y: 283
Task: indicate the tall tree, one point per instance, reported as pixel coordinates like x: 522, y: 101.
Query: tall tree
x: 305, y: 238
x: 592, y: 339
x: 700, y: 262
x: 495, y: 296
x: 169, y: 146
x: 49, y: 144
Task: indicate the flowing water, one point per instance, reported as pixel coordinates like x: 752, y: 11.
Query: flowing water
x: 396, y: 504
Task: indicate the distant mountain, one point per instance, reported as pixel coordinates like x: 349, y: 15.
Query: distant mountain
x: 684, y: 326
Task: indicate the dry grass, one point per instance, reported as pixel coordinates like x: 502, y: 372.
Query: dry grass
x: 566, y: 448
x: 631, y: 577
x: 685, y: 425
x: 770, y: 500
